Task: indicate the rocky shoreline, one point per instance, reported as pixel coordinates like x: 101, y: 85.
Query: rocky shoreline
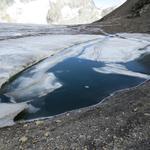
x: 121, y: 122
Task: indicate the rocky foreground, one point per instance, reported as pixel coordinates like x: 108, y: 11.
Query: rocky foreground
x: 121, y: 122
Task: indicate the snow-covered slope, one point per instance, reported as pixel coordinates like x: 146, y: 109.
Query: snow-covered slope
x: 50, y: 11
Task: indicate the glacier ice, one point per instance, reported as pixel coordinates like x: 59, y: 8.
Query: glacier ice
x: 18, y: 54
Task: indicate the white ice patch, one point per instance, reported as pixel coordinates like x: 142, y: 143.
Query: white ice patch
x: 9, y: 111
x: 115, y: 50
x: 120, y: 69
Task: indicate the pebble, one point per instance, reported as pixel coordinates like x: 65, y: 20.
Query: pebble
x: 67, y: 114
x: 46, y: 134
x: 34, y: 141
x: 25, y: 125
x: 58, y: 121
x: 39, y: 123
x: 51, y: 139
x: 97, y: 141
x: 147, y: 114
x: 85, y: 148
x: 81, y: 136
x: 89, y: 137
x: 58, y: 137
x: 73, y: 146
x: 135, y: 109
x: 23, y: 139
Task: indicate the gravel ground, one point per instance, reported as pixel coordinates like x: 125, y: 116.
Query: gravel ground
x: 122, y: 122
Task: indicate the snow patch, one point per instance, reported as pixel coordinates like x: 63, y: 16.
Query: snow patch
x: 9, y: 111
x: 120, y: 69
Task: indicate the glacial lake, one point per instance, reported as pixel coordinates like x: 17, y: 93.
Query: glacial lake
x: 81, y: 86
x: 72, y: 71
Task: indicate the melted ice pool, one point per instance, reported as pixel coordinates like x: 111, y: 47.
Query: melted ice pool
x: 78, y: 76
x: 76, y: 85
x: 70, y: 84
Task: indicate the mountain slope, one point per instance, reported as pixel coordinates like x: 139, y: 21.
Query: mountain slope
x: 132, y: 16
x: 73, y: 12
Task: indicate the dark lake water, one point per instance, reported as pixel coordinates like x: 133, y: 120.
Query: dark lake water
x: 82, y: 86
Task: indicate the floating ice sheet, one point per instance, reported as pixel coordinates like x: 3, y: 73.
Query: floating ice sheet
x: 120, y: 69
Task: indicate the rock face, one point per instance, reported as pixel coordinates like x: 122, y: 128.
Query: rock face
x: 132, y: 9
x: 72, y: 12
x: 51, y: 11
x: 132, y: 16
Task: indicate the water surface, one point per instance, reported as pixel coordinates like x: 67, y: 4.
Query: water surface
x: 81, y: 87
